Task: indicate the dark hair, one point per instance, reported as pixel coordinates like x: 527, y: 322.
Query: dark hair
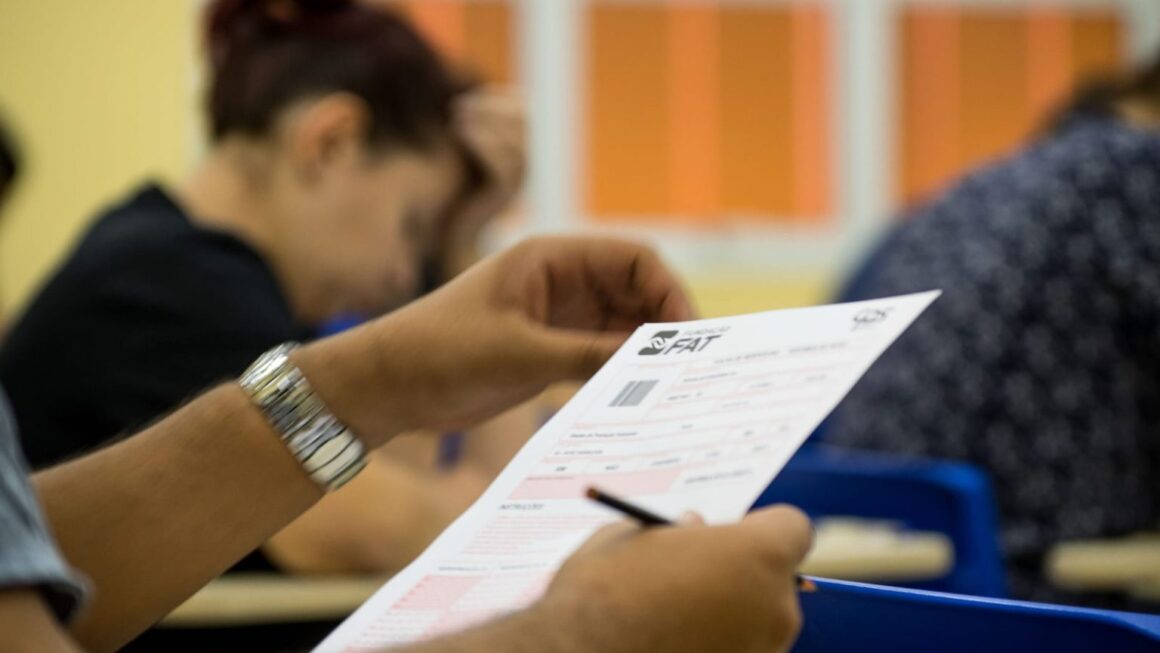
x: 1100, y: 96
x: 268, y: 54
x: 9, y: 159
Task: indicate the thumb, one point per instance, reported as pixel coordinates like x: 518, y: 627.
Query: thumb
x: 782, y: 532
x: 577, y: 354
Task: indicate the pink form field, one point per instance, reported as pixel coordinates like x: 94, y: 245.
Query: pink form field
x: 651, y: 481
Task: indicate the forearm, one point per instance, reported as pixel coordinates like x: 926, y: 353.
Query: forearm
x: 489, y: 447
x: 26, y: 625
x: 377, y: 523
x: 154, y: 518
x: 404, y: 498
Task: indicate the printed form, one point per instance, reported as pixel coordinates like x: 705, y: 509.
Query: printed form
x: 696, y: 415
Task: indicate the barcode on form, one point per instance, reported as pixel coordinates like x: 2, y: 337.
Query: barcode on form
x: 633, y: 393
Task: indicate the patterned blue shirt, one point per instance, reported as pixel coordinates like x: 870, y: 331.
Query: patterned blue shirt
x: 1041, y: 361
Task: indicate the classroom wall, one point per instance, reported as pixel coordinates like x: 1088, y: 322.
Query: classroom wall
x: 764, y: 145
x: 100, y: 96
x: 860, y: 105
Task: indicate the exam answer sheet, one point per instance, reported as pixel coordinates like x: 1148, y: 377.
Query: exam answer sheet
x: 696, y: 415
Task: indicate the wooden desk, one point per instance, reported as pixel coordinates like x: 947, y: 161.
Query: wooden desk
x: 873, y: 551
x: 1130, y: 565
x: 240, y: 599
x: 847, y: 549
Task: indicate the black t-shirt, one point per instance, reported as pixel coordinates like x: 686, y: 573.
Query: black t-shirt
x: 148, y: 311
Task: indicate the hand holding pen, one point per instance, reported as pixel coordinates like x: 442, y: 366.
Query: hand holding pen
x: 690, y: 589
x: 649, y: 519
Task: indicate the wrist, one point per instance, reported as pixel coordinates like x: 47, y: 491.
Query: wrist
x: 327, y: 450
x: 352, y: 375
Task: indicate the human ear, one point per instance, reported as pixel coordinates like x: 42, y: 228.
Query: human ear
x: 328, y: 133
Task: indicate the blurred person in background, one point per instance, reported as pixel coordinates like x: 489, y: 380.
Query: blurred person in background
x: 350, y: 170
x: 140, y: 525
x: 9, y: 171
x: 1041, y: 361
x: 9, y: 164
x: 221, y: 476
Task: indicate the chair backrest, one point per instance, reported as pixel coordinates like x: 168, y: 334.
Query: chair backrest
x: 339, y: 324
x: 847, y: 616
x: 947, y: 497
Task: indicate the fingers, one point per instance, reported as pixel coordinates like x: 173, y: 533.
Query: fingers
x: 493, y: 126
x: 584, y: 297
x: 646, y: 280
x: 627, y: 280
x: 782, y: 532
x: 507, y: 102
x: 661, y: 289
x: 498, y: 146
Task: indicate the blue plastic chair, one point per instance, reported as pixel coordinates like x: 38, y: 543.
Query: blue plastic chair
x: 846, y: 616
x: 947, y: 497
x: 340, y: 323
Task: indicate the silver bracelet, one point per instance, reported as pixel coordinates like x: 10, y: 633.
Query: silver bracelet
x: 329, y: 453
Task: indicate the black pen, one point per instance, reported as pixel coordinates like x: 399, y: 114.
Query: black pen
x: 649, y: 519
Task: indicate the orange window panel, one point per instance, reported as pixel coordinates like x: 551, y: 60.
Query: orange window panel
x: 757, y: 138
x: 928, y: 126
x: 475, y: 34
x: 810, y: 55
x: 699, y: 111
x: 976, y: 82
x: 694, y: 103
x: 490, y: 41
x: 626, y: 113
x: 1051, y: 74
x: 1098, y: 45
x: 992, y: 84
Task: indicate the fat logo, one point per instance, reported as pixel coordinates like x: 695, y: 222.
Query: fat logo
x: 656, y: 344
x: 659, y: 343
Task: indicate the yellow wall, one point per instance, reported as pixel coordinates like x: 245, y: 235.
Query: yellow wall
x: 730, y: 293
x: 101, y: 95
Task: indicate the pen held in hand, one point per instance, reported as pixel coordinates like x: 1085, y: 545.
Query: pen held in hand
x: 641, y: 515
x: 649, y: 519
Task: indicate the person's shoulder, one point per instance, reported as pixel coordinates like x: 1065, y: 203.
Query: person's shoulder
x: 1090, y: 160
x: 150, y: 227
x: 1115, y: 136
x: 1098, y: 150
x: 150, y: 230
x: 144, y: 259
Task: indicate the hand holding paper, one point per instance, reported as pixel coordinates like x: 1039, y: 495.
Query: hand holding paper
x: 546, y: 310
x: 685, y: 416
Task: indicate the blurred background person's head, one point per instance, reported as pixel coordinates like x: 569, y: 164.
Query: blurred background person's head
x: 1133, y: 96
x: 334, y: 151
x: 345, y: 160
x: 9, y: 164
